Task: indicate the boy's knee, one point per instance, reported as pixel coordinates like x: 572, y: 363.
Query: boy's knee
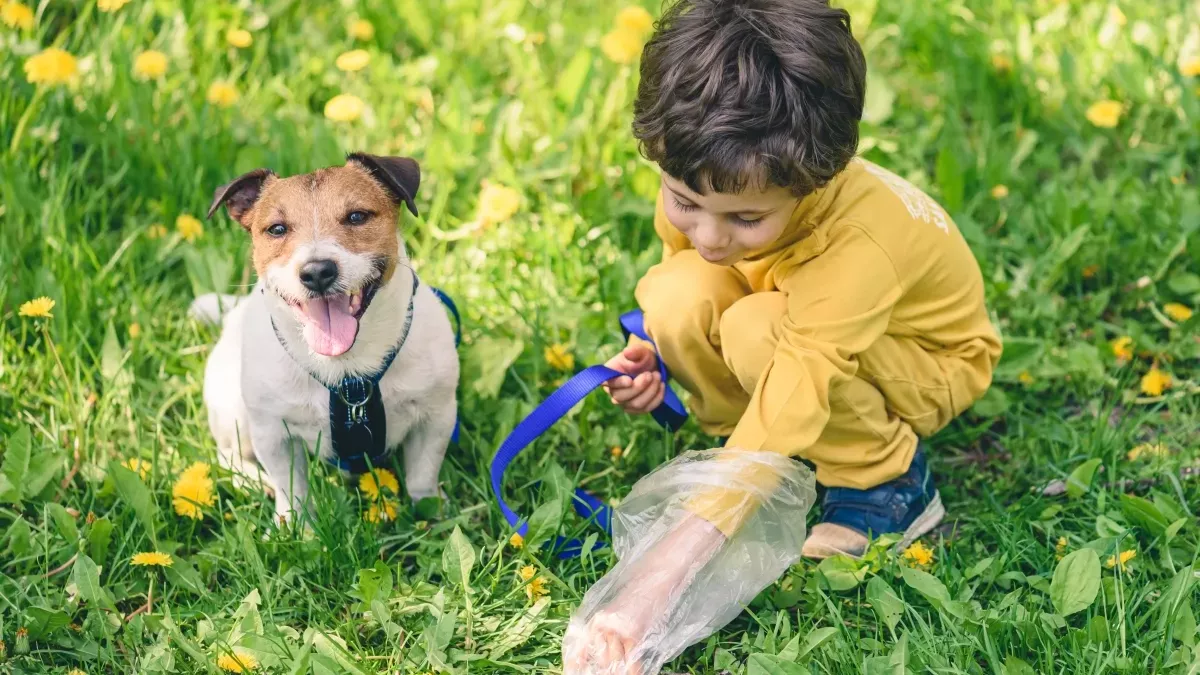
x: 686, y: 294
x: 749, y: 332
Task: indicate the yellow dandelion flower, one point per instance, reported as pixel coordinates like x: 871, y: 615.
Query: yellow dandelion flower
x: 16, y: 15
x: 919, y: 554
x: 1123, y: 560
x: 344, y: 108
x: 1147, y: 450
x: 353, y: 60
x: 636, y: 20
x: 361, y: 29
x: 558, y: 357
x: 382, y: 511
x: 370, y: 483
x: 222, y: 94
x: 536, y: 588
x: 50, y: 66
x: 527, y: 572
x: 135, y: 330
x: 37, y: 308
x: 516, y: 540
x: 616, y: 452
x: 75, y: 671
x: 1155, y: 381
x: 156, y: 231
x: 1177, y: 311
x: 497, y: 203
x: 1190, y: 67
x: 1025, y: 378
x: 110, y: 5
x: 999, y: 191
x: 239, y: 38
x: 621, y: 46
x: 189, y: 227
x: 149, y: 65
x: 1060, y: 549
x: 1090, y: 271
x: 139, y: 466
x: 152, y: 559
x: 1122, y: 348
x: 1104, y: 114
x: 237, y: 662
x: 1002, y: 63
x: 192, y: 490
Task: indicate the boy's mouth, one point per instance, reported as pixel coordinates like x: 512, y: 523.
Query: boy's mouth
x: 330, y: 321
x: 712, y: 256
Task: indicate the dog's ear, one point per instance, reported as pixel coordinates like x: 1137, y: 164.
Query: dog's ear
x: 239, y: 194
x: 400, y: 175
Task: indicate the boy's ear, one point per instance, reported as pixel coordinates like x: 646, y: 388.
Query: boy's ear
x: 401, y: 176
x: 240, y: 194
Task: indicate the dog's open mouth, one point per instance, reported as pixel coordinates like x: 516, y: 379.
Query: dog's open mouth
x: 330, y: 321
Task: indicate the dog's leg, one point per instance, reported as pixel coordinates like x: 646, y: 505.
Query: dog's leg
x: 286, y: 464
x: 424, y: 449
x: 236, y: 455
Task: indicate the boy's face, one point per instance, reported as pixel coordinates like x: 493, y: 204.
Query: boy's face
x: 725, y: 227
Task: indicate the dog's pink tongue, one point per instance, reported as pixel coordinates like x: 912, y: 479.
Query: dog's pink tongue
x: 329, y: 327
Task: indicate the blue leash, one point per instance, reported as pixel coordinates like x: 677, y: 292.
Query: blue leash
x: 671, y: 414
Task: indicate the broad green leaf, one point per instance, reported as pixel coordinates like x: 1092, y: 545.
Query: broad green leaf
x: 63, y: 522
x: 572, y: 78
x: 48, y: 465
x: 458, y: 558
x: 16, y: 464
x: 815, y: 639
x: 880, y: 99
x: 1176, y: 596
x: 134, y: 492
x: 111, y: 356
x: 1015, y: 666
x: 183, y: 575
x: 99, y: 536
x: 86, y: 576
x: 1184, y: 627
x: 374, y: 583
x: 791, y: 651
x: 486, y: 362
x: 1174, y: 528
x: 1144, y: 513
x: 18, y: 537
x: 932, y: 589
x: 898, y: 659
x: 520, y: 630
x: 543, y: 523
x: 1098, y: 630
x: 993, y: 403
x: 1080, y: 479
x: 42, y: 622
x: 887, y: 605
x: 1076, y: 582
x: 841, y: 572
x: 769, y: 664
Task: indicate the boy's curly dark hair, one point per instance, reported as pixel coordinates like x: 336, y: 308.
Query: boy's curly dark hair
x: 735, y: 91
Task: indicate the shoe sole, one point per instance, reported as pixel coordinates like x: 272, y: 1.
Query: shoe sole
x: 930, y: 518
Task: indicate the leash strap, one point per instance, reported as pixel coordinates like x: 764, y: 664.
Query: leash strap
x: 671, y: 414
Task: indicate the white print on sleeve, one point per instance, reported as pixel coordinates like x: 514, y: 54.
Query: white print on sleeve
x: 919, y: 205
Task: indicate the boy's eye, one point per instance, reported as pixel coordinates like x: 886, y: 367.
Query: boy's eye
x: 745, y: 222
x: 684, y: 207
x: 357, y: 217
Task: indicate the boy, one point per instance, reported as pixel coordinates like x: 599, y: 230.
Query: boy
x: 811, y: 303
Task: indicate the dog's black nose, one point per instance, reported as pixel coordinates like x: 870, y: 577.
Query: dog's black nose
x: 319, y: 276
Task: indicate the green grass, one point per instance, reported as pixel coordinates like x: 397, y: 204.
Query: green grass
x: 1098, y: 232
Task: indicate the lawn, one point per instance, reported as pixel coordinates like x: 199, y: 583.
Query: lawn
x: 1062, y: 136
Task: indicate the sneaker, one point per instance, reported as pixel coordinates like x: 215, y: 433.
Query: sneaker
x: 909, y: 505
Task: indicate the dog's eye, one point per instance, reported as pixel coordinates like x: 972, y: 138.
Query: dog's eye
x: 357, y: 217
x: 277, y: 230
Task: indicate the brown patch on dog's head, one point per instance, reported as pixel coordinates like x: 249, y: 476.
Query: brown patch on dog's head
x: 351, y: 208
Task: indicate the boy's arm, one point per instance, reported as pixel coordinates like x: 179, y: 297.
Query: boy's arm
x: 839, y: 303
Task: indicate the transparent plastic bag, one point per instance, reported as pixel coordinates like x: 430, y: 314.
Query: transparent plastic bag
x: 696, y: 539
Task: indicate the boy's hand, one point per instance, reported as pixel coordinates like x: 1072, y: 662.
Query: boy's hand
x: 641, y: 389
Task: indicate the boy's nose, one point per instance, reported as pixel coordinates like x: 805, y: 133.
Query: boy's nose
x: 710, y: 236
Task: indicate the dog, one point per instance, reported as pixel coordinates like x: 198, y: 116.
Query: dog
x: 339, y: 345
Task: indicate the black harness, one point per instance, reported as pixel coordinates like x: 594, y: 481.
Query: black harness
x: 357, y: 420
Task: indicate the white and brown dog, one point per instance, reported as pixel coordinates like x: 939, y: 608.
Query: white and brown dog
x: 339, y: 345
